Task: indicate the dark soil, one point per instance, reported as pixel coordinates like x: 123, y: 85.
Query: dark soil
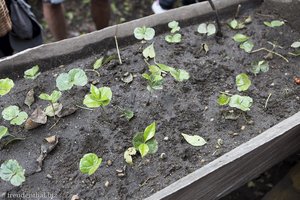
x: 189, y: 107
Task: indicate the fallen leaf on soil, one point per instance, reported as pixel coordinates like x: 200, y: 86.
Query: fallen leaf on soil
x: 194, y: 140
x: 51, y: 139
x: 75, y: 197
x: 66, y: 111
x: 128, y: 155
x: 128, y: 78
x: 46, y: 148
x: 57, y: 108
x: 37, y: 118
x: 29, y: 99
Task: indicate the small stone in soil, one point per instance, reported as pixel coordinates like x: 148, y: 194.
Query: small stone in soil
x: 49, y: 176
x: 166, y: 138
x: 163, y: 156
x: 243, y: 128
x: 106, y: 184
x: 109, y: 163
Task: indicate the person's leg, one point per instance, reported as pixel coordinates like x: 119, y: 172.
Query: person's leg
x: 188, y: 2
x: 54, y: 16
x: 5, y: 48
x: 167, y: 4
x: 100, y: 10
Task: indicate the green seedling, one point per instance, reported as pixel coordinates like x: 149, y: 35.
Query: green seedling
x: 247, y: 46
x: 128, y: 114
x: 274, y: 23
x: 178, y: 74
x: 149, y: 52
x: 236, y: 101
x: 54, y: 107
x: 240, y: 38
x: 207, y: 29
x: 173, y: 37
x: 32, y: 73
x: 103, y: 61
x: 296, y: 46
x: 145, y: 142
x: 66, y: 81
x: 237, y: 25
x: 144, y: 33
x: 4, y: 133
x: 242, y: 82
x: 244, y: 40
x: 260, y: 66
x: 155, y: 81
x: 89, y: 163
x: 13, y: 172
x: 98, y: 97
x: 194, y: 140
x: 5, y: 86
x: 14, y: 115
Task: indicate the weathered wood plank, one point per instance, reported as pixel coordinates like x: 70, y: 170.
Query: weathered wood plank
x: 238, y: 166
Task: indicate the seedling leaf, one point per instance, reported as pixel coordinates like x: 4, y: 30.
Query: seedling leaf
x: 295, y: 45
x: 11, y: 171
x: 149, y: 132
x: 57, y: 108
x: 89, y: 163
x: 180, y: 75
x: 53, y: 98
x: 3, y: 131
x: 174, y: 25
x: 241, y: 102
x: 20, y: 119
x: 5, y: 86
x: 138, y: 139
x: 144, y: 33
x: 240, y: 37
x: 98, y: 63
x: 143, y: 149
x: 128, y: 155
x: 274, y: 23
x: 260, y: 66
x: 223, y: 99
x: 209, y: 29
x: 128, y: 114
x: 242, y: 82
x: 176, y: 38
x: 98, y: 97
x: 149, y: 52
x: 32, y: 73
x: 66, y: 81
x: 13, y: 114
x: 247, y: 46
x: 194, y: 140
x: 165, y: 67
x: 153, y: 146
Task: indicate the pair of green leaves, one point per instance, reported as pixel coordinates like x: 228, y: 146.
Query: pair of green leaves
x: 14, y: 115
x: 237, y: 25
x: 246, y: 44
x: 53, y: 97
x: 55, y: 107
x: 13, y: 172
x: 236, y: 101
x: 173, y: 37
x: 144, y: 33
x: 145, y: 142
x: 32, y: 73
x: 155, y: 80
x: 274, y: 23
x: 89, y: 163
x: 66, y: 81
x: 98, y: 97
x: 207, y: 29
x: 5, y: 86
x: 242, y: 82
x: 260, y: 66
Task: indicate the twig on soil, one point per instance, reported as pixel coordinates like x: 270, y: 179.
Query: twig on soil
x: 266, y: 103
x: 116, y: 41
x: 92, y: 70
x: 145, y: 182
x: 54, y: 124
x: 264, y: 15
x: 84, y: 108
x: 13, y: 139
x: 273, y: 52
x: 237, y: 13
x: 226, y: 93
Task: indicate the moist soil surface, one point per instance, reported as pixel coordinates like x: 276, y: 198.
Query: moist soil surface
x: 180, y: 107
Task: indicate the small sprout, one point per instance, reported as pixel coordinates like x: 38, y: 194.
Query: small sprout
x: 89, y: 163
x: 14, y: 115
x: 144, y: 33
x: 248, y: 20
x: 13, y: 172
x: 66, y: 81
x: 155, y: 81
x: 260, y: 66
x: 5, y: 86
x: 32, y: 73
x: 247, y: 46
x: 180, y: 75
x: 240, y: 38
x: 176, y: 38
x: 128, y: 78
x: 98, y: 63
x: 3, y: 131
x: 128, y: 155
x: 29, y: 99
x: 145, y: 142
x: 205, y: 47
x: 194, y: 140
x: 241, y: 102
x: 149, y: 51
x: 98, y: 97
x: 223, y: 99
x: 128, y: 114
x: 274, y: 23
x: 174, y: 26
x: 242, y: 82
x: 236, y: 25
x: 53, y: 98
x: 208, y: 29
x: 55, y: 110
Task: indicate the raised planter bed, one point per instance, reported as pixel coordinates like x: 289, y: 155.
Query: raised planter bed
x: 252, y: 143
